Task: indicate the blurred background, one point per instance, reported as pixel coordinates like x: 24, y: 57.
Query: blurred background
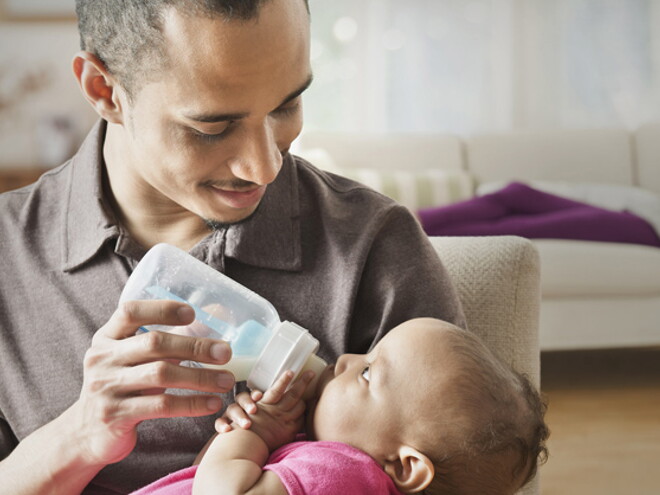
x: 461, y: 67
x: 457, y: 66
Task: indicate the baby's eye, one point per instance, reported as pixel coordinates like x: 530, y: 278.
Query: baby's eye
x: 365, y: 373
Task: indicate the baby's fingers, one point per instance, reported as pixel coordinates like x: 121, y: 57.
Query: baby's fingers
x: 248, y: 401
x: 293, y: 396
x: 234, y: 415
x: 223, y: 425
x: 297, y: 390
x: 277, y: 390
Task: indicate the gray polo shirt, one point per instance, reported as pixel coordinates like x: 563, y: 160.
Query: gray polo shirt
x: 332, y: 255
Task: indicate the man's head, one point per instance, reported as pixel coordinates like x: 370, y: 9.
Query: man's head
x: 202, y: 100
x: 436, y: 409
x: 127, y: 35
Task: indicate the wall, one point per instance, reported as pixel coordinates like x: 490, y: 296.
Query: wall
x: 36, y: 87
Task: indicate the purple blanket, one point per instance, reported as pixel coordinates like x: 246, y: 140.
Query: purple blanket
x: 521, y: 210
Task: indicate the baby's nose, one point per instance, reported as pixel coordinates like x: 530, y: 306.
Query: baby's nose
x: 344, y: 362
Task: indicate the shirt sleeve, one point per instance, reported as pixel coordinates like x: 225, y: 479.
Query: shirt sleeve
x: 328, y: 468
x: 177, y: 483
x: 405, y: 278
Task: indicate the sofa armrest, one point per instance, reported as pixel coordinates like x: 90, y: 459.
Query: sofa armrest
x: 498, y: 282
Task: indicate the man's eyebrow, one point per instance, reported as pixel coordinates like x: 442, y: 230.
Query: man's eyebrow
x: 295, y: 94
x: 210, y: 118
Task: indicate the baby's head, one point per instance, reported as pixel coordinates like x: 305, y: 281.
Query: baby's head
x: 433, y: 406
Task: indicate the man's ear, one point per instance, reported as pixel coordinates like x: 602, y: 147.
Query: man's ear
x: 410, y: 470
x: 98, y: 86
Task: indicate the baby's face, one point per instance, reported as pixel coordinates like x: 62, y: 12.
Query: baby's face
x: 376, y: 401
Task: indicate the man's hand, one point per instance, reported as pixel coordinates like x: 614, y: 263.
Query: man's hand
x: 125, y: 377
x: 276, y: 416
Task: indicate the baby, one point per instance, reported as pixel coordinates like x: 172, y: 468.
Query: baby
x: 430, y: 409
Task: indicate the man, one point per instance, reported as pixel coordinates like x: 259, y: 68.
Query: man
x: 199, y: 101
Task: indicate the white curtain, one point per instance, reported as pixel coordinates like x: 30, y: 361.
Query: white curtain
x: 465, y: 66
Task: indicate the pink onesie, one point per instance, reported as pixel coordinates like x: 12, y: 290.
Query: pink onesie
x: 328, y: 468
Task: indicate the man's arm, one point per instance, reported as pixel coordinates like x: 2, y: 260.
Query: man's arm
x: 48, y: 461
x: 402, y: 278
x: 125, y: 377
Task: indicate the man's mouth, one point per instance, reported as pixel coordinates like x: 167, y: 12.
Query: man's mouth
x: 240, y: 199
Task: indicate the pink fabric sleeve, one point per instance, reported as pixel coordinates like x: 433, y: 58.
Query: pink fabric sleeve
x: 177, y: 483
x: 328, y: 468
x: 305, y: 468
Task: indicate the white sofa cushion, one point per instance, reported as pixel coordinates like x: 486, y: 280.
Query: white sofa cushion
x: 580, y: 155
x: 386, y: 151
x: 647, y: 151
x: 417, y: 188
x: 597, y: 269
x: 413, y: 187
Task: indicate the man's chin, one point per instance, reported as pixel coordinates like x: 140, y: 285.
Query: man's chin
x: 222, y: 224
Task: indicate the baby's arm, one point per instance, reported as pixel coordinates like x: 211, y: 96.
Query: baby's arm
x: 233, y: 462
x: 233, y: 465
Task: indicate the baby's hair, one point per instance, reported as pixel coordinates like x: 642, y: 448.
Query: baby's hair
x: 497, y: 438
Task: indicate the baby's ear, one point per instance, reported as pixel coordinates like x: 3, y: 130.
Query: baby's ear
x: 411, y: 470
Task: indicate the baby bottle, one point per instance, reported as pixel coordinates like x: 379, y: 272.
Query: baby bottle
x: 262, y: 346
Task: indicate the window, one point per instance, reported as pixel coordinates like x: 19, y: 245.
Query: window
x: 470, y: 65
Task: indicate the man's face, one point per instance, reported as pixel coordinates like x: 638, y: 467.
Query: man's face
x: 209, y: 136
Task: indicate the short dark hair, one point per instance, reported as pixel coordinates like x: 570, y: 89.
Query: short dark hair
x: 126, y: 35
x: 499, y: 440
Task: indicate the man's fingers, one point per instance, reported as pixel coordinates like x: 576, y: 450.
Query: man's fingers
x: 163, y: 375
x: 131, y: 315
x: 153, y: 346
x: 170, y: 406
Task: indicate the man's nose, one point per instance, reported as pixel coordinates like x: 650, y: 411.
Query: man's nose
x: 259, y: 158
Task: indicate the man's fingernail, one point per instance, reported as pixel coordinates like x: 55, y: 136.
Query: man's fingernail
x: 213, y: 404
x: 226, y: 380
x: 221, y: 352
x: 185, y: 314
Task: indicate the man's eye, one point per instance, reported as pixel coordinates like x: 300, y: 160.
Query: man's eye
x: 210, y: 137
x: 365, y: 373
x: 290, y: 109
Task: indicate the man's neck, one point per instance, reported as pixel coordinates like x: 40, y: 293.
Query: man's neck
x: 149, y: 217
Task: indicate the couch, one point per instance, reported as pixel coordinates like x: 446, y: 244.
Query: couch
x: 593, y: 294
x: 497, y: 280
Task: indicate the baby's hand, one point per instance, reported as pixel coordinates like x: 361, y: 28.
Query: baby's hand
x: 276, y: 416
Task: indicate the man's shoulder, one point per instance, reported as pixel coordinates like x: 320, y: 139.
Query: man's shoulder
x: 339, y: 191
x: 31, y: 218
x: 43, y: 196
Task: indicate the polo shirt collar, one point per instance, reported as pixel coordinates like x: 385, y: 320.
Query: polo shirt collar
x: 270, y: 238
x: 88, y: 222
